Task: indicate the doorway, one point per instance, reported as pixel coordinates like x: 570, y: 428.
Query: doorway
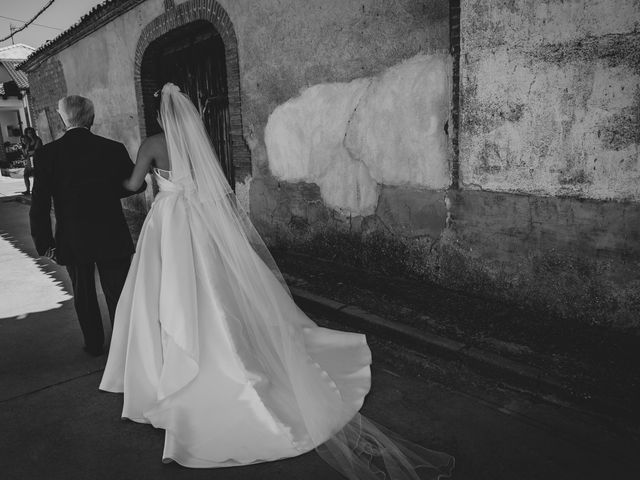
x: 193, y: 57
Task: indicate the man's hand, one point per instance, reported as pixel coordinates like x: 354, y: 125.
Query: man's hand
x: 51, y: 254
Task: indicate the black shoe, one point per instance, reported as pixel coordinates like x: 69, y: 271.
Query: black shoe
x: 94, y: 352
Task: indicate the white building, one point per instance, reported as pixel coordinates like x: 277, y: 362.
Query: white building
x: 14, y: 104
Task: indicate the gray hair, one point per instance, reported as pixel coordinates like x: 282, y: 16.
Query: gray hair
x: 76, y: 111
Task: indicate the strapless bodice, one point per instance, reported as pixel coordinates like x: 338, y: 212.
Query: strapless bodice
x: 169, y: 184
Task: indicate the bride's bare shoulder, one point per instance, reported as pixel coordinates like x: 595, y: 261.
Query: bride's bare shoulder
x: 155, y: 149
x: 156, y: 140
x: 154, y: 145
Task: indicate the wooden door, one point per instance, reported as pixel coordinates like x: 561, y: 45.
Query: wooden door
x: 193, y: 57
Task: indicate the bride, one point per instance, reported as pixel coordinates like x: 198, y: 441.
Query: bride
x: 209, y: 345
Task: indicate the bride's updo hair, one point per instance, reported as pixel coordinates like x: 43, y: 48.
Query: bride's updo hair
x: 157, y: 98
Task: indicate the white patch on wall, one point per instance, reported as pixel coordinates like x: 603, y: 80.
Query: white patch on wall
x: 25, y: 287
x: 350, y: 138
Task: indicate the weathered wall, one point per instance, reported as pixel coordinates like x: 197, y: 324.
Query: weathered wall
x: 551, y: 97
x: 302, y: 60
x: 283, y: 47
x: 550, y: 107
x: 547, y: 209
x: 288, y: 45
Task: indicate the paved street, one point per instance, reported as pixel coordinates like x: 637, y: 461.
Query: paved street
x: 56, y: 424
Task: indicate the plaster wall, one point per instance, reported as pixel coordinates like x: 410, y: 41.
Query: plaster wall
x: 551, y: 98
x: 548, y: 206
x: 283, y: 47
x: 547, y: 210
x: 547, y: 214
x: 287, y: 45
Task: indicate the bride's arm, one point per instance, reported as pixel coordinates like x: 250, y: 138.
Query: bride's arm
x: 143, y: 163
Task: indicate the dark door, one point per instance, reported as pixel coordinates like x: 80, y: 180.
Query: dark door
x: 193, y: 57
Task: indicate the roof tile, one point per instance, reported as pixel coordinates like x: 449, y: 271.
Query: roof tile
x: 19, y: 77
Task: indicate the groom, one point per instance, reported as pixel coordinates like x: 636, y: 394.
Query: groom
x: 82, y: 173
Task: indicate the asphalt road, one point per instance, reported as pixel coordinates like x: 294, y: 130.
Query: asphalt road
x: 55, y: 423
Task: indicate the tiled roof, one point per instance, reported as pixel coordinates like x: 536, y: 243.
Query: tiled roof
x: 98, y: 16
x: 19, y: 77
x: 10, y: 58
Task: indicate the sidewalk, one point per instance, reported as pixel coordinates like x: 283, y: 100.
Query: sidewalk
x: 11, y: 186
x: 590, y: 367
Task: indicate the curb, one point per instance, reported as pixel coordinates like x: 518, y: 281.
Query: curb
x: 481, y: 360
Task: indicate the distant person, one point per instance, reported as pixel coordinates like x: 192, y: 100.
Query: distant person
x: 23, y: 150
x: 83, y: 173
x: 23, y: 145
x: 30, y: 144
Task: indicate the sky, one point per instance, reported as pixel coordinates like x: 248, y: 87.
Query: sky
x: 60, y: 15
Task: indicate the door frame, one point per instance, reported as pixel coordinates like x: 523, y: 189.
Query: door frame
x: 180, y: 15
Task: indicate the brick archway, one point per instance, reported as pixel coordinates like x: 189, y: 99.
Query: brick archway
x: 177, y: 16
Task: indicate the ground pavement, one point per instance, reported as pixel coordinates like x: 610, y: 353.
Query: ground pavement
x: 10, y: 186
x: 55, y: 423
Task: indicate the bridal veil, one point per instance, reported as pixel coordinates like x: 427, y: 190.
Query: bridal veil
x: 273, y: 330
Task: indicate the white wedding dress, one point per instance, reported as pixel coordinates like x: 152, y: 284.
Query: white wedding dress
x: 175, y: 356
x: 209, y: 345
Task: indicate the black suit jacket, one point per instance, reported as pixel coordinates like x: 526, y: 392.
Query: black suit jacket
x: 82, y: 173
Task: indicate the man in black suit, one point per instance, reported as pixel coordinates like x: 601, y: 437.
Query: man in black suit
x: 83, y: 173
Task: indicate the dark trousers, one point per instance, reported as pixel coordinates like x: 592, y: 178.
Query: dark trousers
x: 113, y: 274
